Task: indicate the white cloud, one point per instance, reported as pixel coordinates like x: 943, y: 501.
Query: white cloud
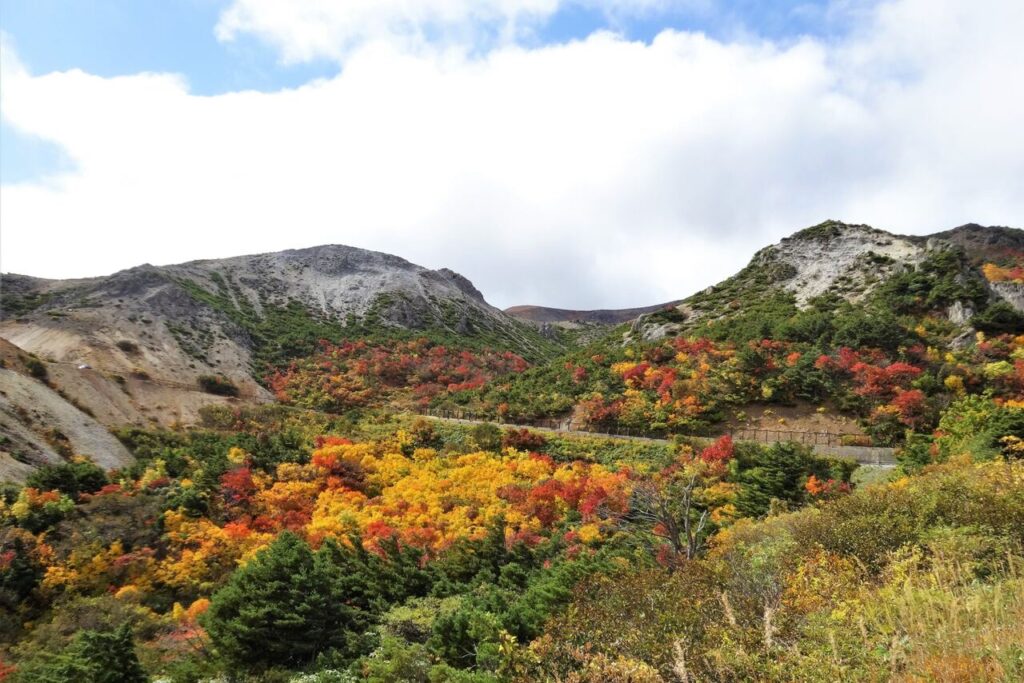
x: 304, y: 30
x: 593, y: 174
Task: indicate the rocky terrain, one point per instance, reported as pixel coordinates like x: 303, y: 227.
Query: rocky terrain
x: 131, y: 349
x: 134, y: 348
x: 234, y: 317
x: 40, y: 424
x: 836, y: 259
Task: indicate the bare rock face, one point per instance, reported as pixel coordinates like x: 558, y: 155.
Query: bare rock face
x: 464, y: 285
x: 334, y: 280
x: 848, y: 259
x: 1010, y: 292
x: 959, y: 314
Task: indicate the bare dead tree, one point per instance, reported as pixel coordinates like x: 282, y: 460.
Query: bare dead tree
x: 670, y: 513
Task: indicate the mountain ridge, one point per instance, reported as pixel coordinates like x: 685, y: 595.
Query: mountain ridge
x: 138, y: 347
x: 154, y: 332
x: 850, y: 261
x: 604, y: 316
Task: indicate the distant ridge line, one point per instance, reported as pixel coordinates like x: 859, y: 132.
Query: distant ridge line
x: 606, y: 316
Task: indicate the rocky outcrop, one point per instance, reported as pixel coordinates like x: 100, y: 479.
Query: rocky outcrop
x: 850, y: 261
x: 959, y: 314
x: 846, y: 259
x: 1010, y: 292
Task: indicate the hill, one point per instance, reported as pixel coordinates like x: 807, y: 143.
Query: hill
x: 168, y: 329
x: 336, y: 537
x: 936, y: 275
x: 613, y: 316
x: 39, y: 426
x: 840, y: 328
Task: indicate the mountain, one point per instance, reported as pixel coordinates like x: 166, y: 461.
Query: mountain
x: 986, y: 244
x: 604, y: 316
x: 834, y: 261
x: 155, y: 345
x: 838, y: 328
x: 343, y: 528
x: 156, y: 332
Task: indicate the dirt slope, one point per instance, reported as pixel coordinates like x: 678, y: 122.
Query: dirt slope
x: 38, y: 426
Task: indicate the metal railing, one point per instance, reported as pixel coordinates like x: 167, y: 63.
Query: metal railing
x: 807, y: 438
x: 569, y: 424
x: 566, y: 424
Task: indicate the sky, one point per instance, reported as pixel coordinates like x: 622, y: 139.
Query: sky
x: 569, y: 153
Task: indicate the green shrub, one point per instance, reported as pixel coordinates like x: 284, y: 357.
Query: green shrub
x: 127, y: 346
x: 999, y: 318
x: 217, y: 384
x: 487, y: 436
x: 92, y: 657
x: 36, y: 368
x: 778, y: 473
x: 870, y: 329
x: 71, y: 478
x: 284, y: 607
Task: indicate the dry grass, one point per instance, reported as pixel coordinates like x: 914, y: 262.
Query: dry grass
x: 947, y: 627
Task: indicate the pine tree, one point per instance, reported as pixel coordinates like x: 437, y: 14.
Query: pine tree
x: 284, y: 607
x: 92, y: 657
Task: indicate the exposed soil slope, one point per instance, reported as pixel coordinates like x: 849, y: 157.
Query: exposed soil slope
x: 39, y: 426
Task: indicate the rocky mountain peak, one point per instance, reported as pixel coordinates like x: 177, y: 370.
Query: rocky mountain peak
x: 935, y: 274
x: 461, y: 282
x: 835, y: 256
x: 831, y: 230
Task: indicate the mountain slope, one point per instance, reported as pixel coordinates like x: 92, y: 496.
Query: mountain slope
x: 40, y: 426
x: 238, y: 315
x: 604, y: 316
x: 836, y: 262
x: 875, y: 332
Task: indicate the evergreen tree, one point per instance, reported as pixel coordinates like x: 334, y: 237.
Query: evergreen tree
x: 92, y: 657
x: 286, y: 606
x: 72, y: 478
x: 777, y: 472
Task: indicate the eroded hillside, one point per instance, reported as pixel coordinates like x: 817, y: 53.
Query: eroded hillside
x: 158, y: 331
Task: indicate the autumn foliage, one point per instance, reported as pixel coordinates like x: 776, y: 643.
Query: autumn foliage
x: 358, y: 374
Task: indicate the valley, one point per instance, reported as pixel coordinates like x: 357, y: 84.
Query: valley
x: 331, y: 464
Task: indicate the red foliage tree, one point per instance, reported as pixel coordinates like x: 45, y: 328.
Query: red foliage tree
x: 237, y: 486
x: 720, y: 451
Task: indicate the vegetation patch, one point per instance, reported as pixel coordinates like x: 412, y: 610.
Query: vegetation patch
x: 217, y: 384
